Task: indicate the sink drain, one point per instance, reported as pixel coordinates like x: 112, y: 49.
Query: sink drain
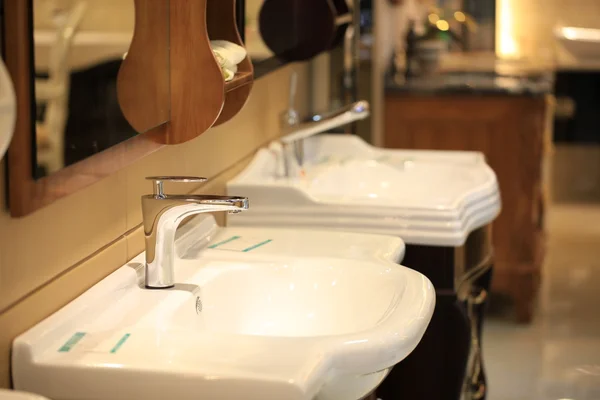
x: 198, y: 305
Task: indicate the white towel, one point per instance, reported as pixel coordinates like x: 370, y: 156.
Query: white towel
x: 228, y: 55
x: 235, y: 53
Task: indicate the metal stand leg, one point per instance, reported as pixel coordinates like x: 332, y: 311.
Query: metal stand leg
x: 475, y: 385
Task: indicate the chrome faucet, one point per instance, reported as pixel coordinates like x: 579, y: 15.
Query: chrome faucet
x: 162, y: 215
x: 295, y: 132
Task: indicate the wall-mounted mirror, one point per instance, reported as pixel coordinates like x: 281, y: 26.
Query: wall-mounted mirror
x: 64, y: 57
x: 78, y: 47
x: 263, y: 59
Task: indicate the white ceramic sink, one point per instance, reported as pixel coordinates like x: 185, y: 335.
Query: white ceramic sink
x: 425, y: 197
x: 240, y: 324
x: 583, y: 43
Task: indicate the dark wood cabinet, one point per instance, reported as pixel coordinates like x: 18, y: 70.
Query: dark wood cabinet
x: 448, y: 354
x: 512, y: 132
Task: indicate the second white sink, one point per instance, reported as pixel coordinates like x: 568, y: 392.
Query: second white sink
x: 425, y: 197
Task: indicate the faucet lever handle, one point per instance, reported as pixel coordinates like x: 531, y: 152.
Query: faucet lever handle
x: 290, y: 117
x: 158, y: 182
x: 293, y: 90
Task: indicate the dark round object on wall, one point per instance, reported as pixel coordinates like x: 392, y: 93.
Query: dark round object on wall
x: 298, y: 30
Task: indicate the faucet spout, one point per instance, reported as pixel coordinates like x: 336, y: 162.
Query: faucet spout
x: 162, y: 215
x: 293, y: 141
x: 323, y: 122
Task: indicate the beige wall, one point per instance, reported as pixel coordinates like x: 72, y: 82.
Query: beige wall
x: 53, y: 255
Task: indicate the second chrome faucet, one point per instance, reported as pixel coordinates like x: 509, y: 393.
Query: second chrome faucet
x: 294, y: 132
x: 162, y: 214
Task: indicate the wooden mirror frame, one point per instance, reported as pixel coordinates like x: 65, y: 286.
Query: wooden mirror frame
x: 26, y: 194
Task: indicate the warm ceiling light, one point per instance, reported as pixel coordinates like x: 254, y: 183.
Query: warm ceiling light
x: 442, y: 25
x: 460, y: 16
x: 433, y: 18
x: 507, y: 45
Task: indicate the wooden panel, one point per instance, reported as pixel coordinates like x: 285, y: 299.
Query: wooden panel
x: 509, y: 131
x: 143, y: 80
x: 241, y: 79
x: 170, y: 74
x: 197, y: 85
x: 17, y: 42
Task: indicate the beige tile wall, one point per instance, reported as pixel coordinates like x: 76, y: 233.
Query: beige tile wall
x: 53, y: 255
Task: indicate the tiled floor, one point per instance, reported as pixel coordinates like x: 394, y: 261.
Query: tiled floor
x: 558, y: 356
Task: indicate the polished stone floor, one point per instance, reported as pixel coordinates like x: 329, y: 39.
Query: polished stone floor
x: 558, y: 355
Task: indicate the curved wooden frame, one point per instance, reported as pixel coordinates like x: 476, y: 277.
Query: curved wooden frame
x: 198, y: 96
x: 143, y: 80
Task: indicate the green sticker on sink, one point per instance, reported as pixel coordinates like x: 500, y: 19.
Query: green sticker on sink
x: 69, y: 344
x: 256, y: 246
x: 242, y: 244
x: 231, y: 239
x: 120, y: 343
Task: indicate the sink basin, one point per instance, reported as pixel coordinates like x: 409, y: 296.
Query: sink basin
x: 299, y: 298
x: 425, y: 197
x: 239, y: 324
x: 371, y: 182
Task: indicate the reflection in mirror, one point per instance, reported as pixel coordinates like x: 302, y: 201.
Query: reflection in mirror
x: 256, y: 47
x: 78, y: 48
x: 263, y: 59
x: 277, y: 32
